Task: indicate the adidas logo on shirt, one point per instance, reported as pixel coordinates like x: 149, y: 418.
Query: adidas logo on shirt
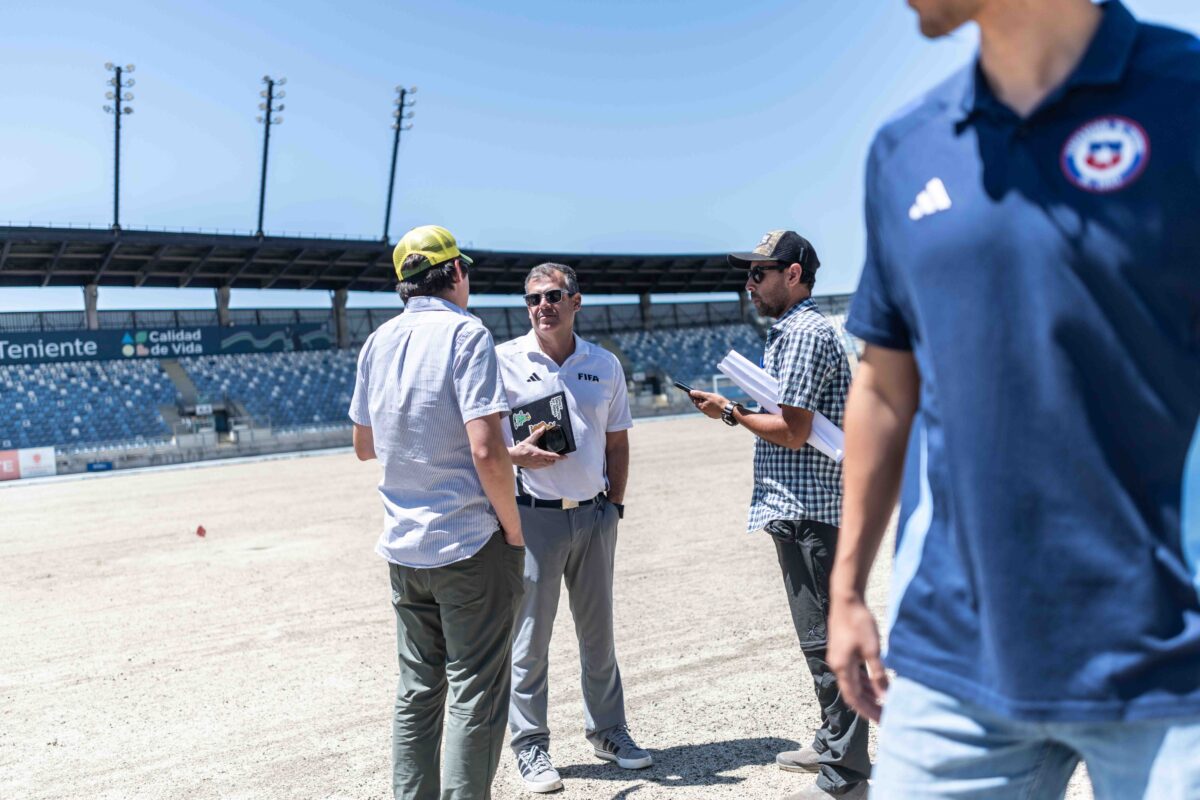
x: 533, y: 378
x: 930, y: 200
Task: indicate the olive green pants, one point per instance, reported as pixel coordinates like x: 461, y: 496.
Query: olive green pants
x: 453, y: 632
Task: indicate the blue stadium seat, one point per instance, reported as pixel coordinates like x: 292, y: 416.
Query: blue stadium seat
x: 80, y: 403
x: 284, y: 390
x: 689, y: 354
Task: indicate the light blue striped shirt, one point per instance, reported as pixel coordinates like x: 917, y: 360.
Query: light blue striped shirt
x: 421, y: 377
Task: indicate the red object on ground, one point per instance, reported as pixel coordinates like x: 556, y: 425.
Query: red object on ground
x: 200, y: 530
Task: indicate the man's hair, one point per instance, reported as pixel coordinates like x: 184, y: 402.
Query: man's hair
x: 548, y: 269
x: 808, y: 278
x: 428, y: 283
x: 808, y: 268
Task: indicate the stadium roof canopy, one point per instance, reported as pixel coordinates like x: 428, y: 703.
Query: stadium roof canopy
x: 75, y: 257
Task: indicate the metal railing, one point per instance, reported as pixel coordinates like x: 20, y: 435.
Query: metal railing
x: 87, y: 226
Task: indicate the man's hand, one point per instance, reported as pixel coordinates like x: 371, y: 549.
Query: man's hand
x: 707, y: 403
x: 853, y: 654
x: 527, y: 454
x: 513, y: 538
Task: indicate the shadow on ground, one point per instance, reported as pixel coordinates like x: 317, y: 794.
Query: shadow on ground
x: 686, y: 765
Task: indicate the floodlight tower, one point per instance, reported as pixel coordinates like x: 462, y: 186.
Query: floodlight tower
x: 118, y: 96
x: 403, y: 111
x: 268, y: 119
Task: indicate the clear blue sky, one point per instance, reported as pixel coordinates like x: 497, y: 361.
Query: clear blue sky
x: 589, y: 126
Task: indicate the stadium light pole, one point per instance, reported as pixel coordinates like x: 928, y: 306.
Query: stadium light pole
x: 403, y: 111
x: 118, y: 96
x: 268, y: 119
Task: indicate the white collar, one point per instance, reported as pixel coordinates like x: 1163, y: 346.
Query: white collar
x: 418, y: 304
x: 531, y: 347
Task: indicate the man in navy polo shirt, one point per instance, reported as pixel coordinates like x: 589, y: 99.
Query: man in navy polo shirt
x: 1031, y: 304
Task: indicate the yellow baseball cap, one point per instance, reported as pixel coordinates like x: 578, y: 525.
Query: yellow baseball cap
x: 432, y: 241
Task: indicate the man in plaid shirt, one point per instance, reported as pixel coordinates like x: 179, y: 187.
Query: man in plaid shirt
x: 798, y: 490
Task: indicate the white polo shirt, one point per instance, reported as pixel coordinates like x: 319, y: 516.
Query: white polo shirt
x: 598, y: 403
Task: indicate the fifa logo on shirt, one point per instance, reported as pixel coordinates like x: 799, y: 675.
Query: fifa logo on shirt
x: 930, y: 200
x: 583, y: 376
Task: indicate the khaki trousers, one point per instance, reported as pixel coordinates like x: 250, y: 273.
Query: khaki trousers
x: 454, y: 637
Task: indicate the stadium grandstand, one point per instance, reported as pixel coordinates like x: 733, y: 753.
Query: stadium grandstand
x: 97, y: 390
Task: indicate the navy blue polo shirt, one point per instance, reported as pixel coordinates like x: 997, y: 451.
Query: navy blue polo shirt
x: 1045, y: 274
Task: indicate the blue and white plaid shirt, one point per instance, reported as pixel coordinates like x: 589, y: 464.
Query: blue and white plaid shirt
x: 805, y: 355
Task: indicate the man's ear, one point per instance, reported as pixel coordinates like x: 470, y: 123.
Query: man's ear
x: 798, y: 274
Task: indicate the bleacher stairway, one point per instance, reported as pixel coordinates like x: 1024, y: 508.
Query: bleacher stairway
x: 183, y: 382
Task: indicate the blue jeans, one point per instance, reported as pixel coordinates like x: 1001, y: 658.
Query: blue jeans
x: 934, y: 747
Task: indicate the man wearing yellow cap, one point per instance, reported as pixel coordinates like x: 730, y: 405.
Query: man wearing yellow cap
x: 427, y: 403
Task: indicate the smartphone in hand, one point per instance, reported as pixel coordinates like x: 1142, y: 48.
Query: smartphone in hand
x: 683, y: 387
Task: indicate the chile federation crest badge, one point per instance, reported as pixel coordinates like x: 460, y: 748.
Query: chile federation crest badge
x: 1106, y: 154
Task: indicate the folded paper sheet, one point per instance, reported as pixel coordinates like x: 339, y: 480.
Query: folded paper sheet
x: 756, y: 382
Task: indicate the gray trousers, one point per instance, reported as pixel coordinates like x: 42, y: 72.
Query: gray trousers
x: 453, y: 632
x: 577, y: 545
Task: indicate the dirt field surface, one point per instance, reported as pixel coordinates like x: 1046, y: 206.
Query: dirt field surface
x: 143, y: 661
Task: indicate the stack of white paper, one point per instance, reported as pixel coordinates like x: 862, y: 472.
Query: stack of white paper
x: 756, y: 382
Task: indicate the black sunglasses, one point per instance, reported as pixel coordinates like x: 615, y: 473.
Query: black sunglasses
x: 534, y: 299
x: 757, y: 273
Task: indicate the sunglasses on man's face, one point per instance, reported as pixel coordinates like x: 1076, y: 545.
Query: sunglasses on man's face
x: 757, y: 273
x: 534, y: 299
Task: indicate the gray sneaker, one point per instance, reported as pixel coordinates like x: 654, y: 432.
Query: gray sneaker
x: 858, y: 791
x: 617, y: 745
x: 537, y: 771
x: 805, y: 759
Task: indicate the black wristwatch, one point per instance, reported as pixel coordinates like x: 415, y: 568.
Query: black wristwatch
x: 619, y: 506
x: 727, y: 414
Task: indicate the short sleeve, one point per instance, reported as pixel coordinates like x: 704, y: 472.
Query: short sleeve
x: 619, y: 418
x: 477, y: 382
x: 808, y: 362
x: 874, y: 315
x: 360, y: 409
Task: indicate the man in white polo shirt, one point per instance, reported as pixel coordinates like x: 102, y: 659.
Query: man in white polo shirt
x: 569, y: 507
x: 428, y: 403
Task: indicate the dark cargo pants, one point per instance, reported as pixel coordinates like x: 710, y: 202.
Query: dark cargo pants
x: 805, y: 549
x: 453, y: 632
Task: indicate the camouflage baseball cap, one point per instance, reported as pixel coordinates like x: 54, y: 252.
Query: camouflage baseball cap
x: 433, y: 242
x: 786, y: 247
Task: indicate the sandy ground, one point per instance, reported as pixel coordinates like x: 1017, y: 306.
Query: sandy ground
x: 142, y: 661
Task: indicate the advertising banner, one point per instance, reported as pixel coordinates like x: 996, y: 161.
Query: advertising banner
x: 106, y: 345
x: 10, y: 465
x: 36, y: 462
